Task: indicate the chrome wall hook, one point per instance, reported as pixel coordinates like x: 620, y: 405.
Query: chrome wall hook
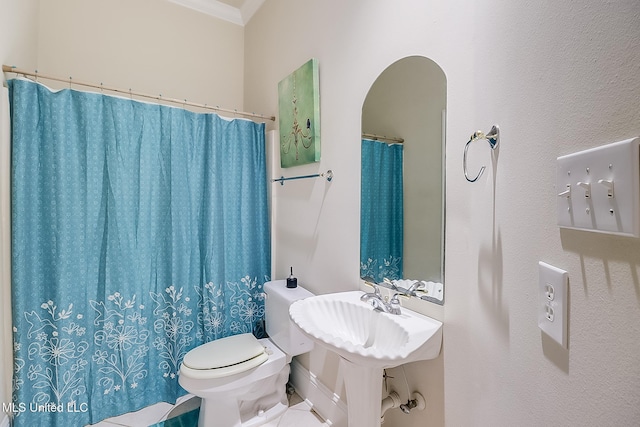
x: 493, y: 137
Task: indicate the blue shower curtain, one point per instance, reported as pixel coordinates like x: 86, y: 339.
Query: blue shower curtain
x: 139, y: 231
x: 381, y: 211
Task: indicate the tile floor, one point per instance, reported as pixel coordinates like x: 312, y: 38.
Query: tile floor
x: 298, y: 414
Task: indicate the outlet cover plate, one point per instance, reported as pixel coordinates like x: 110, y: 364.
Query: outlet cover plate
x: 553, y: 302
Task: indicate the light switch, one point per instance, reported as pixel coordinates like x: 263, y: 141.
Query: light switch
x: 553, y: 302
x: 599, y: 189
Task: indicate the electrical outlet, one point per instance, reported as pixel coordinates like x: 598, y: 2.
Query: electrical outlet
x: 548, y: 312
x: 549, y: 291
x: 553, y: 302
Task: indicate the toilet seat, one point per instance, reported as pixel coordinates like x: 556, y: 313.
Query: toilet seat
x: 224, y: 357
x: 241, y: 380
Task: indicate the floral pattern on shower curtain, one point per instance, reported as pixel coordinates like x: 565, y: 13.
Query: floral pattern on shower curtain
x: 381, y: 211
x: 139, y: 231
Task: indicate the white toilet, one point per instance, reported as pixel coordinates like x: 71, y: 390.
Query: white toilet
x: 241, y: 379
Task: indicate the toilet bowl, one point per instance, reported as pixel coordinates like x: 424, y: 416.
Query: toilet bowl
x: 241, y: 379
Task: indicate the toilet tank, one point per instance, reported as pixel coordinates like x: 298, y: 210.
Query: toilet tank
x: 280, y: 327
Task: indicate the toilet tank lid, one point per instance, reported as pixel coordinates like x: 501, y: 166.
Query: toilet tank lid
x: 224, y: 352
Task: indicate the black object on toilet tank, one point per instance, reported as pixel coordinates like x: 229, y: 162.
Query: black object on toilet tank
x: 292, y: 282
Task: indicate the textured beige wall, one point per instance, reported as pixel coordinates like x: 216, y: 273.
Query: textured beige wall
x: 151, y: 46
x: 557, y: 77
x: 18, y: 32
x: 18, y: 45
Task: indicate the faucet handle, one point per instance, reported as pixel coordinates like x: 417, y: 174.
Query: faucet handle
x: 394, y: 304
x: 418, y: 285
x: 376, y: 290
x: 372, y: 295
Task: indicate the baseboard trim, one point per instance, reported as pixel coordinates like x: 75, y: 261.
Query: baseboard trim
x: 323, y: 400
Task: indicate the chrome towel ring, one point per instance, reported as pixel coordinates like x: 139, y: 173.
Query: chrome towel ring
x: 493, y: 137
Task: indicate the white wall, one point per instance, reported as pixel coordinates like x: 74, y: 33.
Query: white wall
x: 18, y: 45
x: 557, y: 77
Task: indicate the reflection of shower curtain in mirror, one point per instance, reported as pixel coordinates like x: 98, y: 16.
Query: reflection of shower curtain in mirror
x: 381, y: 211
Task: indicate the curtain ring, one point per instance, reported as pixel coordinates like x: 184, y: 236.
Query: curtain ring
x: 493, y: 137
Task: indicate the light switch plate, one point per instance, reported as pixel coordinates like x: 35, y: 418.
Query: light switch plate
x: 599, y: 189
x: 553, y: 302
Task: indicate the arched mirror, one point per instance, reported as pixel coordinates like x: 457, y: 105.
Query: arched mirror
x: 402, y: 185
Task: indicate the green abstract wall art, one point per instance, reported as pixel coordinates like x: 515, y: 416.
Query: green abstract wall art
x: 299, y: 116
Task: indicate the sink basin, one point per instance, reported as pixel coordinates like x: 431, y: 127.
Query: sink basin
x: 354, y: 330
x: 368, y: 342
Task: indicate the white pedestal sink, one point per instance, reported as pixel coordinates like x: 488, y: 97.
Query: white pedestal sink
x: 367, y: 341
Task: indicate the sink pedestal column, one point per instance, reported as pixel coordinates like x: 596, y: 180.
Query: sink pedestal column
x: 364, y: 394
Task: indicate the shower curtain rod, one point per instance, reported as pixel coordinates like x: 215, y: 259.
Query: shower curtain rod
x: 383, y: 138
x: 36, y: 74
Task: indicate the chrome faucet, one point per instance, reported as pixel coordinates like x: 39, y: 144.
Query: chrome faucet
x: 379, y: 304
x: 416, y: 286
x: 370, y: 295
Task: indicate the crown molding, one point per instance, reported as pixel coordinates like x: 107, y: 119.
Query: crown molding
x: 222, y: 10
x: 249, y: 8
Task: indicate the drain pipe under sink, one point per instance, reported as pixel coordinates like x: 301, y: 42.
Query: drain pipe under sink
x: 389, y: 402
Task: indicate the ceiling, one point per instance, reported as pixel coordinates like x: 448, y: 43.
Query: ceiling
x: 237, y: 11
